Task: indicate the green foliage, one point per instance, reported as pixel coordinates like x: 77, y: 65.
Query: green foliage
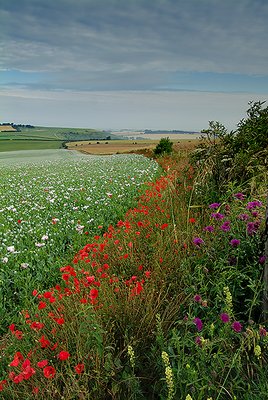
x: 163, y: 147
x: 240, y: 156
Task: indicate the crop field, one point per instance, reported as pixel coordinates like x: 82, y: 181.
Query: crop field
x: 49, y: 203
x: 46, y: 137
x: 14, y: 145
x: 124, y: 146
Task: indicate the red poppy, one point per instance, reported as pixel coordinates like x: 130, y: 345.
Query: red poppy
x: 60, y: 321
x: 37, y: 325
x: 93, y: 294
x: 44, y: 342
x: 18, y: 357
x: 63, y: 355
x: 41, y: 305
x: 2, y: 383
x: 49, y: 372
x: 192, y: 220
x: 79, y: 368
x: 164, y: 226
x: 42, y: 364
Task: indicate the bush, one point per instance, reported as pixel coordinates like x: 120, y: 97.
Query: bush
x: 163, y: 147
x: 239, y: 156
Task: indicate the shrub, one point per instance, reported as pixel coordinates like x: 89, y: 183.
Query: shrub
x: 163, y: 147
x: 240, y: 156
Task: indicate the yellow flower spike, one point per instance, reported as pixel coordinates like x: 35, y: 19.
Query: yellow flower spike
x: 257, y: 351
x: 228, y: 300
x: 169, y: 376
x: 131, y: 355
x: 188, y: 397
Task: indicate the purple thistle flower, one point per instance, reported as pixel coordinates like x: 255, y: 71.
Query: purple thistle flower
x: 214, y: 206
x: 236, y: 326
x: 225, y: 318
x: 225, y: 227
x: 209, y: 228
x: 198, y: 241
x: 234, y: 242
x: 243, y: 217
x: 254, y: 204
x: 262, y: 331
x: 254, y: 214
x: 262, y: 259
x: 239, y: 196
x: 198, y: 323
x: 252, y: 228
x: 198, y: 298
x: 198, y: 341
x: 217, y: 216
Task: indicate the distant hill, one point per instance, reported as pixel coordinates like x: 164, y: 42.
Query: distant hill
x: 27, y: 137
x: 162, y: 132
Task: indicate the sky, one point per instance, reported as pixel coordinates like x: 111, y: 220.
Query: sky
x: 132, y: 64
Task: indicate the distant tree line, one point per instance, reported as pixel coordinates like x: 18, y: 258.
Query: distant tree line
x: 17, y: 126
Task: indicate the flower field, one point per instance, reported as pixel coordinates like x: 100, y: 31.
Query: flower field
x: 160, y: 301
x: 49, y: 208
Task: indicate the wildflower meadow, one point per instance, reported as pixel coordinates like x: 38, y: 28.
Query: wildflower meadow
x: 165, y: 301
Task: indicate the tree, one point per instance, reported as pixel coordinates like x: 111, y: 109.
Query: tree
x: 163, y: 147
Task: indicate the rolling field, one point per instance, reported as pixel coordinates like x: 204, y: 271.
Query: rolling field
x: 46, y: 137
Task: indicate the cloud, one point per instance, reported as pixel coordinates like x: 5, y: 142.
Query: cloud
x: 141, y: 64
x: 134, y: 44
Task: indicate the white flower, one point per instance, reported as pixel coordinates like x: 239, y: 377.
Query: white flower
x: 79, y: 228
x: 4, y: 260
x: 11, y: 249
x: 44, y: 237
x: 40, y: 244
x: 24, y: 265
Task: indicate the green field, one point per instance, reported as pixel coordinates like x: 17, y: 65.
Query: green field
x: 47, y: 137
x: 13, y: 145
